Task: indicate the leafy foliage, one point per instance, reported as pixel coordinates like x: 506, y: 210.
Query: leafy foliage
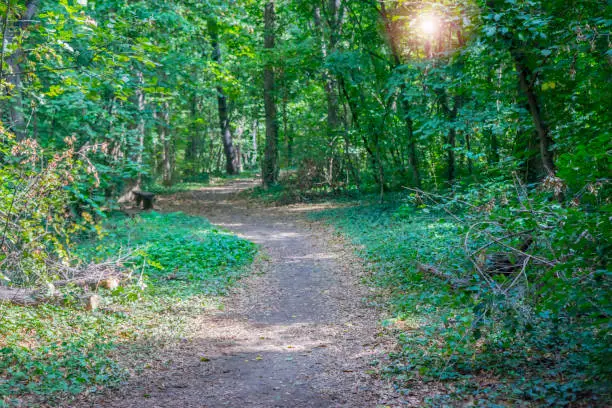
x: 52, y: 352
x: 538, y: 335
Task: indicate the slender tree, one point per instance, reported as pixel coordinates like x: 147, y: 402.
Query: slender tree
x: 14, y: 62
x: 270, y: 167
x: 231, y: 157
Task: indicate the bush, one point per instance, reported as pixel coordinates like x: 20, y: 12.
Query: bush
x: 45, y: 200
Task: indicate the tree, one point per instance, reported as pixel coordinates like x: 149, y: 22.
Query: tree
x: 232, y: 165
x: 15, y: 61
x: 270, y: 168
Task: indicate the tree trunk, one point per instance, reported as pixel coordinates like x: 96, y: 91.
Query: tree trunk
x: 255, y: 155
x: 288, y: 137
x: 334, y: 20
x: 541, y: 127
x: 452, y: 136
x: 525, y: 75
x: 270, y: 168
x: 238, y: 133
x: 494, y: 147
x: 231, y: 164
x: 412, y: 150
x: 13, y: 61
x: 192, y: 147
x: 140, y: 101
x: 468, y: 153
x: 163, y: 118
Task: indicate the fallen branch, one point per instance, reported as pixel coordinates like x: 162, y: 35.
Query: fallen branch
x: 432, y: 270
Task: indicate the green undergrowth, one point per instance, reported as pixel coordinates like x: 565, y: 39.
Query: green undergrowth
x: 175, y: 188
x: 449, y: 336
x: 180, y: 265
x: 196, y: 182
x: 285, y: 194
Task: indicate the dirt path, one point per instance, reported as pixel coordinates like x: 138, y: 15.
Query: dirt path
x: 298, y: 335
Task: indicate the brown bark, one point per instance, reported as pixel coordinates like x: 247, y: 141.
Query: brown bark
x: 231, y: 158
x: 270, y: 168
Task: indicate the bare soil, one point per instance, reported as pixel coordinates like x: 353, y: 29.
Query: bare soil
x: 300, y: 333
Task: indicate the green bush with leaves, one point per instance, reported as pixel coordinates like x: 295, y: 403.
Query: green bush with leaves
x: 46, y: 201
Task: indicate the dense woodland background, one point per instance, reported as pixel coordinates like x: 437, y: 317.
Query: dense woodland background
x: 483, y: 125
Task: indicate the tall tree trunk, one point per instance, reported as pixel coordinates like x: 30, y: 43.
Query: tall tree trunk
x: 192, y: 147
x: 468, y: 153
x: 270, y: 168
x: 541, y: 127
x: 238, y: 133
x: 140, y: 128
x: 412, y: 149
x: 335, y: 17
x: 255, y: 155
x: 452, y: 137
x: 231, y: 164
x: 288, y: 137
x: 163, y: 119
x: 525, y: 76
x: 13, y: 61
x: 452, y: 142
x: 493, y: 157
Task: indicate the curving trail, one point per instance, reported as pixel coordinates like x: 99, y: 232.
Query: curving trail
x: 298, y: 335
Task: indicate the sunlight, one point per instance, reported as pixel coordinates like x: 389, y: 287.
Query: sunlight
x: 429, y: 24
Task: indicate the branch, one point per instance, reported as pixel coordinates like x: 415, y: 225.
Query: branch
x: 432, y: 270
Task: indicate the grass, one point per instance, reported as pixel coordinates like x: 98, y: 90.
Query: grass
x: 50, y: 352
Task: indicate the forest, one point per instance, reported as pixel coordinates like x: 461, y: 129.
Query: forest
x: 345, y: 203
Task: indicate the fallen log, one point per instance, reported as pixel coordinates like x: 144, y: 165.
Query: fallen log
x: 31, y: 297
x: 25, y: 297
x: 107, y: 282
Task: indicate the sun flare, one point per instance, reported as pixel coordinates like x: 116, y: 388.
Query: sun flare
x: 429, y: 24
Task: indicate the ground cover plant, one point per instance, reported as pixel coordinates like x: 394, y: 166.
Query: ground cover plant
x: 486, y: 336
x: 180, y: 265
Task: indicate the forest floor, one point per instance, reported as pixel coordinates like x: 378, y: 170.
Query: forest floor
x: 299, y: 332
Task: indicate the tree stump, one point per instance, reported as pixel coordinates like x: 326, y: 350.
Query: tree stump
x: 145, y: 198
